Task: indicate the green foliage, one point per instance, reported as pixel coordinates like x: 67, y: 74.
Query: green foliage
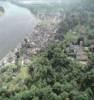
x: 52, y: 75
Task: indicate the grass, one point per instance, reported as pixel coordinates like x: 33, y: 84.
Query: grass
x: 23, y: 73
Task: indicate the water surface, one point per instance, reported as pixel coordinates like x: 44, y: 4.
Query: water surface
x: 14, y: 25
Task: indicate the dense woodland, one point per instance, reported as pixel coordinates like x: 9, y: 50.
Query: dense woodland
x: 56, y: 73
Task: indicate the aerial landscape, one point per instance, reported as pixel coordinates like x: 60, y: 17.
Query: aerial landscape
x: 47, y: 50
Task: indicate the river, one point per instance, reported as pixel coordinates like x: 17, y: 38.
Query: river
x: 15, y: 24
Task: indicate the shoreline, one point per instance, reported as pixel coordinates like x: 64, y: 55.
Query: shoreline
x: 36, y: 40
x: 11, y: 53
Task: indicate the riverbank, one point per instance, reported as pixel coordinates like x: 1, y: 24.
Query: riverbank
x: 15, y: 24
x: 42, y: 34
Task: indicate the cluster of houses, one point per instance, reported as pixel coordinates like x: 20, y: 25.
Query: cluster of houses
x: 37, y: 40
x: 77, y: 50
x: 31, y: 45
x: 56, y: 17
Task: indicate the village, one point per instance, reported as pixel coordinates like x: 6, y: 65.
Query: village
x: 77, y: 50
x: 42, y: 34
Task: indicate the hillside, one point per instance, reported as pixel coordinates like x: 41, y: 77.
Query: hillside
x: 56, y: 62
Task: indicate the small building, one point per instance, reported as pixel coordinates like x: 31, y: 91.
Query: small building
x: 81, y: 56
x: 77, y: 52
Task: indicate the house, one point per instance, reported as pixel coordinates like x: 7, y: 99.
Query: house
x: 81, y: 56
x: 76, y: 51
